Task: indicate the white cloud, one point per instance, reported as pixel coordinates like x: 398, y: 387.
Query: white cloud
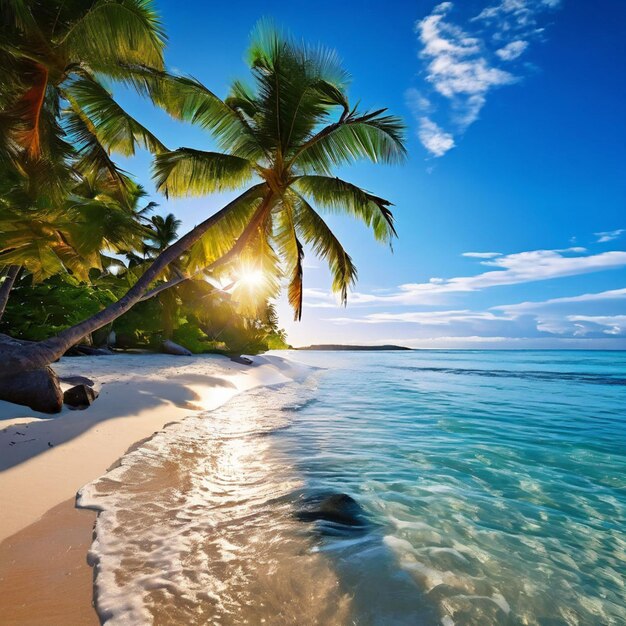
x: 424, y: 318
x: 510, y: 269
x: 609, y: 235
x: 417, y: 102
x: 433, y: 138
x: 464, y: 66
x: 512, y: 50
x: 613, y: 324
x: 613, y: 294
x: 482, y: 255
x: 584, y: 325
x: 457, y: 65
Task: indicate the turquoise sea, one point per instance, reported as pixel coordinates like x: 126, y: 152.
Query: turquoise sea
x: 486, y: 487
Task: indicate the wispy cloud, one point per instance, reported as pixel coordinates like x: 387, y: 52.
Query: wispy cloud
x: 463, y: 64
x: 512, y: 50
x: 583, y: 325
x: 509, y: 269
x: 424, y: 318
x: 482, y: 255
x: 527, y: 320
x: 434, y: 139
x: 609, y: 235
x: 522, y: 307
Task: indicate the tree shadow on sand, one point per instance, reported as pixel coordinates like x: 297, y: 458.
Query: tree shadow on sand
x: 24, y: 441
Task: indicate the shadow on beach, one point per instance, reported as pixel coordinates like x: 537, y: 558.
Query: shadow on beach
x: 23, y: 441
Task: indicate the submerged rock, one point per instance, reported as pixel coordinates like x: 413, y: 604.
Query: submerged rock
x: 37, y: 389
x: 80, y: 397
x: 334, y: 509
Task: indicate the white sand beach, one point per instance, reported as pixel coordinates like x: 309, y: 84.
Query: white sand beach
x: 45, y: 459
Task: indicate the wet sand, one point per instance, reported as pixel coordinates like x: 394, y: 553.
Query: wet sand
x: 44, y: 460
x: 45, y: 579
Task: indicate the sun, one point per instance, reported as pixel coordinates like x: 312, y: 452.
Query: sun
x: 251, y: 278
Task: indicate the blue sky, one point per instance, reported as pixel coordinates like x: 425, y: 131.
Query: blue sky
x: 511, y: 206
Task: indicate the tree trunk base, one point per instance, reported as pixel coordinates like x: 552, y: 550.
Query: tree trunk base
x: 37, y: 389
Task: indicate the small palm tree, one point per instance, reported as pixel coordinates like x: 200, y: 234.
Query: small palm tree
x: 288, y: 131
x: 163, y: 232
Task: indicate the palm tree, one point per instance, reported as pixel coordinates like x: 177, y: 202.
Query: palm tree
x: 163, y: 232
x: 54, y: 106
x: 284, y: 134
x: 41, y: 236
x: 57, y: 120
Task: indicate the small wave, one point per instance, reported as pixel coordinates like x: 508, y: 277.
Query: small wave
x: 581, y: 377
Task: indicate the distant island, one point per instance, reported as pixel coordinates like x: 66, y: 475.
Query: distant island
x: 337, y: 347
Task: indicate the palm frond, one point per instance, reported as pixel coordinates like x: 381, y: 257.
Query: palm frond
x: 296, y: 88
x: 115, y: 129
x: 339, y: 196
x: 373, y: 136
x: 93, y: 160
x: 95, y: 226
x: 316, y: 233
x: 292, y: 254
x: 27, y: 112
x: 221, y: 236
x: 187, y: 172
x: 115, y: 32
x: 187, y: 99
x: 17, y: 14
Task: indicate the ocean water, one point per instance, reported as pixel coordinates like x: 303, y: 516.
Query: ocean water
x: 488, y: 487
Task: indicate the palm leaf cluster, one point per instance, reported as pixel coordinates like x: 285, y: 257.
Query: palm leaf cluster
x: 75, y: 235
x: 58, y: 118
x: 283, y: 133
x: 65, y: 203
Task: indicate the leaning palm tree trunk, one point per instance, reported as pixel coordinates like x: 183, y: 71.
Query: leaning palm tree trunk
x: 5, y: 289
x: 18, y: 359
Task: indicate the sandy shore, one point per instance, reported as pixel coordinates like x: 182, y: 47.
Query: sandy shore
x: 44, y: 460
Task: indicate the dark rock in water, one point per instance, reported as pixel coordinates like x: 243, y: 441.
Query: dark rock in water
x: 169, y: 347
x: 80, y: 397
x: 337, y: 508
x: 37, y: 389
x: 77, y: 380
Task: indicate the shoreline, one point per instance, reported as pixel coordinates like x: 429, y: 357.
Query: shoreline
x: 43, y: 539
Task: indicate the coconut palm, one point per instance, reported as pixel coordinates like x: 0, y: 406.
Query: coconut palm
x: 42, y: 237
x: 54, y: 56
x: 282, y: 135
x: 163, y: 231
x: 285, y: 131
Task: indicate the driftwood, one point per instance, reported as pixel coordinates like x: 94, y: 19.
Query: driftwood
x: 169, y: 347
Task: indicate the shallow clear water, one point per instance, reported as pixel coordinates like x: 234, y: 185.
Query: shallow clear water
x: 492, y: 488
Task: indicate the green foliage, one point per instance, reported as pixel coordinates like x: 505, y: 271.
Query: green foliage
x: 67, y: 210
x: 195, y: 339
x: 204, y: 322
x: 36, y: 312
x: 56, y: 116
